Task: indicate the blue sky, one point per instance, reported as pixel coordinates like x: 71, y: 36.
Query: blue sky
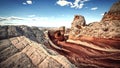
x: 51, y: 13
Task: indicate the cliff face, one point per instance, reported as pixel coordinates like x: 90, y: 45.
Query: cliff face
x: 108, y: 27
x: 113, y: 13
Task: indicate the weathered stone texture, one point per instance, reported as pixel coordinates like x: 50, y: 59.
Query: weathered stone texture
x: 108, y: 27
x: 113, y: 13
x: 78, y: 22
x: 6, y: 53
x: 19, y: 60
x: 21, y: 52
x: 50, y: 63
x: 32, y: 33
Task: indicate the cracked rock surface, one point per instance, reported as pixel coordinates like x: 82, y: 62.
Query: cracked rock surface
x: 25, y: 47
x: 21, y: 52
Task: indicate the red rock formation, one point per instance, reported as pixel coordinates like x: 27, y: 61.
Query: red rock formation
x: 113, y: 14
x: 90, y: 52
x: 109, y: 27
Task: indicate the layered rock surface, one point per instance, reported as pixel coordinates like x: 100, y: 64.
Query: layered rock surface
x: 20, y: 48
x: 88, y: 52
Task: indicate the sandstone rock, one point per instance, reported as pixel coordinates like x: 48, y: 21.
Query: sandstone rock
x: 113, y: 13
x: 4, y: 44
x: 78, y: 22
x: 108, y: 27
x: 22, y: 52
x: 32, y: 33
x: 62, y: 28
x: 115, y: 7
x: 50, y: 63
x: 3, y: 32
x: 19, y: 60
x: 7, y: 51
x: 14, y: 31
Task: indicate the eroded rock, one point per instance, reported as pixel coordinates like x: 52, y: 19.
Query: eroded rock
x: 22, y: 52
x: 113, y: 13
x: 78, y: 22
x: 14, y: 31
x: 108, y: 27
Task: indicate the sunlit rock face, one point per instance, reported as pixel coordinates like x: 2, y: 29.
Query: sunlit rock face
x: 113, y: 13
x: 115, y: 7
x: 78, y: 22
x: 22, y: 52
x: 108, y: 27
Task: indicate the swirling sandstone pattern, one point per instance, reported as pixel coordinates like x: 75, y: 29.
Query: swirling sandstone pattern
x: 90, y: 52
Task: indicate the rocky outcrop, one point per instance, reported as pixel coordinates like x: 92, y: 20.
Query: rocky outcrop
x: 115, y: 7
x: 95, y: 43
x: 113, y: 13
x: 21, y: 52
x: 28, y: 47
x: 32, y: 33
x: 89, y: 52
x: 78, y: 22
x: 108, y: 27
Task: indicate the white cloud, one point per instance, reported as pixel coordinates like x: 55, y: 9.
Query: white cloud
x: 36, y: 21
x: 63, y: 3
x: 102, y: 14
x: 27, y: 2
x: 94, y: 8
x: 10, y: 18
x: 78, y: 4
